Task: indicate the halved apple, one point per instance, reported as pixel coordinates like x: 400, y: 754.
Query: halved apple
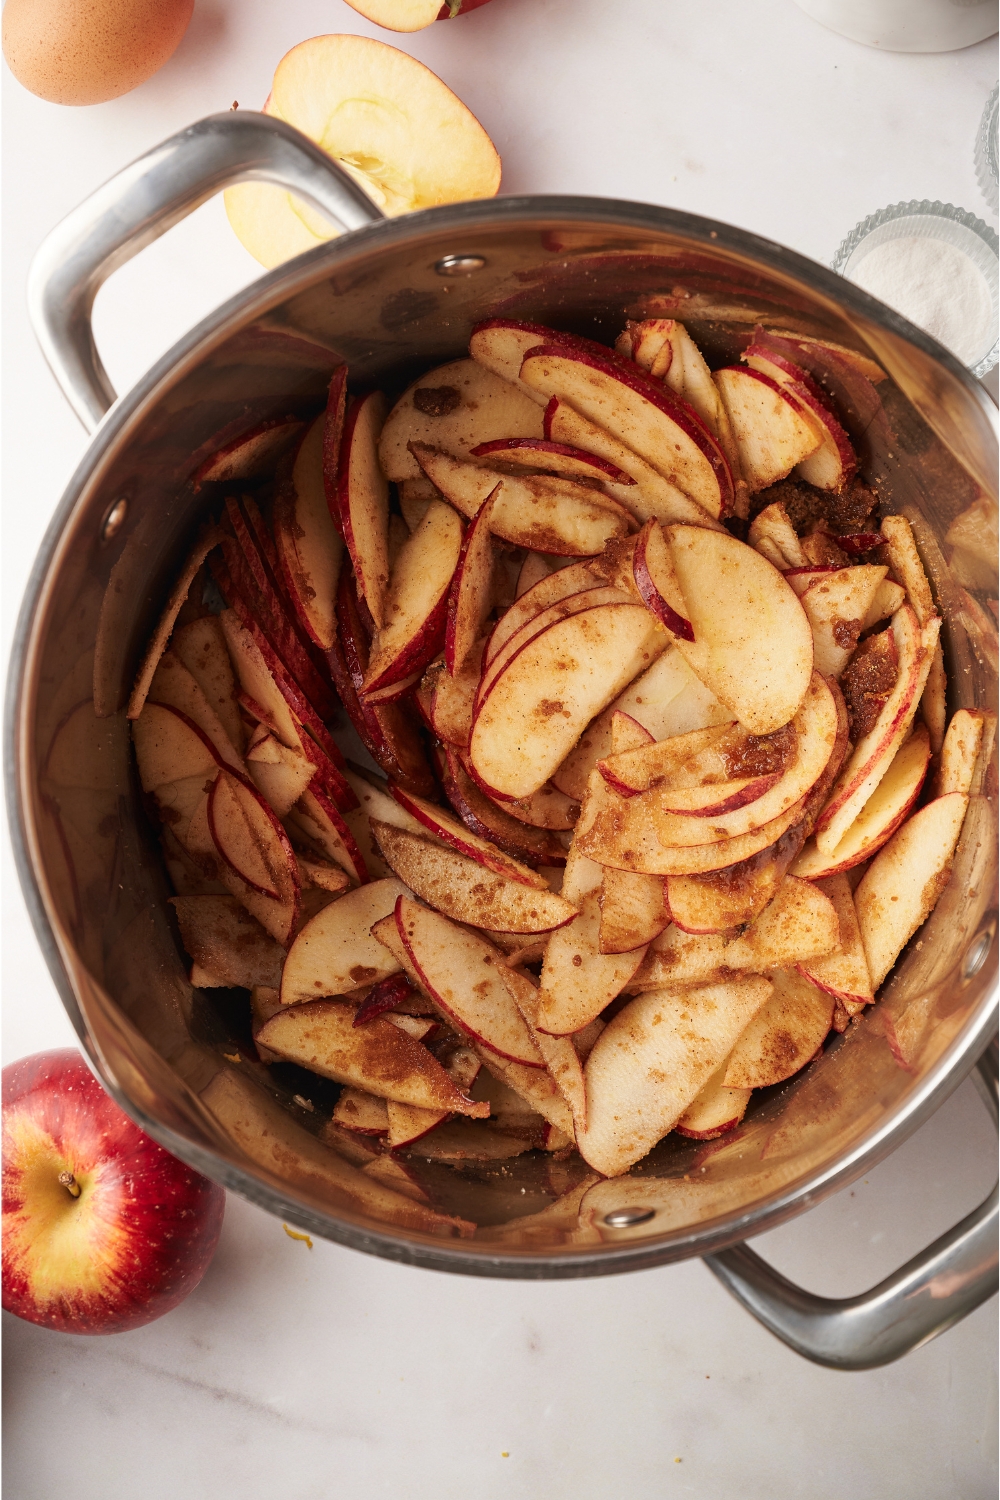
x: 715, y: 1111
x: 225, y: 941
x: 772, y: 434
x: 844, y: 972
x: 901, y: 886
x: 374, y: 110
x: 335, y: 953
x: 308, y: 546
x: 412, y: 15
x: 651, y: 1062
x: 416, y: 604
x: 466, y: 889
x: 836, y: 606
x: 549, y: 691
x: 363, y: 501
x: 454, y: 408
x: 471, y: 593
x: 646, y: 416
x: 783, y: 1036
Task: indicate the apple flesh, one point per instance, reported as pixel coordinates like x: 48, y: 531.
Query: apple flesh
x: 335, y: 952
x: 363, y: 502
x: 836, y: 605
x: 104, y: 1231
x: 549, y: 589
x: 201, y: 647
x: 772, y: 434
x: 774, y: 537
x: 715, y: 1111
x: 844, y: 972
x: 530, y: 846
x: 253, y: 452
x: 224, y: 941
x: 783, y: 1036
x: 308, y: 546
x: 555, y: 458
x: 578, y: 981
x: 471, y: 590
x: 412, y: 15
x: 454, y: 408
x: 416, y: 604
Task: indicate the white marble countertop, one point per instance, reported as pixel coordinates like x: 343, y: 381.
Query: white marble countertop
x: 310, y: 1373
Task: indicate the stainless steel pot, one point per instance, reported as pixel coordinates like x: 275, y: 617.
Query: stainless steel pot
x: 393, y: 298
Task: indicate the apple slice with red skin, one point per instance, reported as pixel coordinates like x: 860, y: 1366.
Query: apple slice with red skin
x: 784, y: 1035
x: 333, y: 436
x: 362, y: 1113
x: 652, y: 1061
x: 772, y: 433
x: 471, y: 589
x: 532, y: 846
x: 664, y: 431
x: 279, y: 774
x: 578, y: 981
x: 316, y: 817
x: 452, y: 698
x: 853, y: 395
x: 319, y: 875
x: 875, y: 751
x: 169, y: 746
x: 383, y: 996
x: 201, y: 647
x: 250, y: 839
x: 278, y: 917
x: 462, y: 973
x: 465, y: 889
x: 728, y: 899
x: 633, y: 910
x: 104, y: 1230
x: 802, y: 579
x: 834, y: 463
x: 546, y: 808
x: 500, y: 344
x: 446, y: 830
x: 960, y: 752
x: 308, y: 546
x: 541, y: 512
x: 253, y: 452
x: 656, y: 581
x: 651, y: 765
x: 454, y: 407
x: 901, y: 886
x: 752, y: 647
x: 222, y: 938
x: 715, y: 1111
x: 549, y: 691
x: 555, y: 458
x: 881, y: 815
x: 416, y: 603
x: 844, y: 972
x: 378, y: 1058
x: 904, y: 560
x: 772, y: 534
x: 561, y: 1057
x: 807, y: 343
x: 363, y: 501
x: 550, y: 589
x: 535, y: 567
x: 836, y: 606
x: 256, y: 679
x: 654, y: 496
x: 335, y: 952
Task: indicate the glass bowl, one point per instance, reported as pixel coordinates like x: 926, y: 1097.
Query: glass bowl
x: 950, y: 226
x: 987, y: 170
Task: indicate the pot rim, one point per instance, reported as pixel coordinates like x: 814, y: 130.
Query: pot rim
x: 129, y: 410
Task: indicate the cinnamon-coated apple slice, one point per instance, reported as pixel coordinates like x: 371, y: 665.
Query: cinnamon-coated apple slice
x: 319, y: 875
x: 278, y: 917
x: 335, y: 952
x: 308, y: 546
x: 651, y: 1062
x: 654, y: 496
x: 633, y: 909
x: 461, y: 972
x: 201, y: 647
x: 361, y: 1113
x: 454, y: 408
x: 253, y: 452
x: 561, y: 1057
x: 771, y: 431
x: 465, y: 889
x: 715, y: 1111
x: 169, y: 747
x: 960, y: 752
x: 452, y: 697
x: 363, y: 501
x: 799, y: 924
x: 657, y: 583
x: 836, y: 606
x: 223, y: 939
x: 471, y: 591
x: 727, y: 899
x: 875, y: 751
x: 250, y: 839
x: 378, y: 1058
x: 279, y: 774
x: 334, y: 418
x: 646, y: 416
x: 209, y: 539
x: 449, y: 831
x: 549, y: 589
x: 531, y: 846
x: 783, y: 1036
x: 803, y: 343
x: 546, y: 808
x: 844, y: 972
x: 173, y: 686
x: 904, y: 560
x: 549, y: 691
x: 320, y: 822
x: 256, y: 679
x: 774, y: 537
x: 881, y: 815
x: 538, y: 511
x: 834, y: 463
x: 555, y: 458
x: 901, y: 886
x: 752, y: 645
x: 500, y: 344
x: 415, y: 606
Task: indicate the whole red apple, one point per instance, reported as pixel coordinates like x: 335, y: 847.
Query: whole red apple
x: 103, y: 1230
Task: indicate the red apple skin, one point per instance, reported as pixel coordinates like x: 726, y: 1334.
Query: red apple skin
x: 650, y: 594
x: 135, y: 1242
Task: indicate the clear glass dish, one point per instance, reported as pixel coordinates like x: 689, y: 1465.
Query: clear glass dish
x: 939, y: 221
x: 987, y: 170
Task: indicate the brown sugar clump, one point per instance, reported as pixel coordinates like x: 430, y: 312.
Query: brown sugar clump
x: 867, y: 681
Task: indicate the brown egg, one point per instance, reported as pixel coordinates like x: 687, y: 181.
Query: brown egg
x: 86, y: 51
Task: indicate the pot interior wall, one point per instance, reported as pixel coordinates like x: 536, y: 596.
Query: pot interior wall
x: 181, y: 1058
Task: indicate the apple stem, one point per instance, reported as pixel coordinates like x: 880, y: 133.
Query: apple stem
x: 69, y: 1182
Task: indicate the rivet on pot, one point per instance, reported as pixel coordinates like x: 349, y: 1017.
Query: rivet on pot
x: 627, y: 1218
x: 114, y: 519
x: 460, y: 265
x: 976, y: 953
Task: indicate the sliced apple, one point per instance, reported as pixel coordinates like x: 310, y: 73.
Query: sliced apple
x: 844, y: 972
x: 874, y: 752
x: 465, y: 889
x: 807, y: 342
x: 546, y: 808
x: 250, y: 839
x: 225, y: 941
x: 771, y: 432
x: 541, y: 512
x: 170, y: 747
x: 253, y: 452
x: 448, y: 831
x: 201, y: 646
x: 307, y: 543
x: 834, y: 463
x: 452, y: 697
x: 647, y: 417
x: 174, y: 687
x: 651, y: 1062
x: 727, y: 899
x: 378, y: 1058
x: 471, y: 590
x: 257, y: 680
x: 561, y: 1057
x: 415, y: 606
x: 461, y: 973
x: 657, y: 498
x: 364, y: 1114
x: 555, y: 458
x: 934, y: 700
x: 752, y: 645
x: 783, y: 1036
x: 384, y: 995
x: 773, y: 536
x: 334, y: 418
x: 578, y: 980
x: 363, y: 501
x: 500, y: 344
x: 454, y: 408
x: 904, y: 560
x: 959, y: 753
x: 279, y: 774
x: 537, y: 708
x: 490, y: 822
x: 335, y: 952
x: 551, y: 588
x: 715, y: 1111
x: 901, y: 886
x: 320, y: 875
x: 656, y: 581
x: 836, y: 606
x: 316, y: 818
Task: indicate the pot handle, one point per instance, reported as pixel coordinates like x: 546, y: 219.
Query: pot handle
x: 146, y: 199
x: 932, y: 1292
